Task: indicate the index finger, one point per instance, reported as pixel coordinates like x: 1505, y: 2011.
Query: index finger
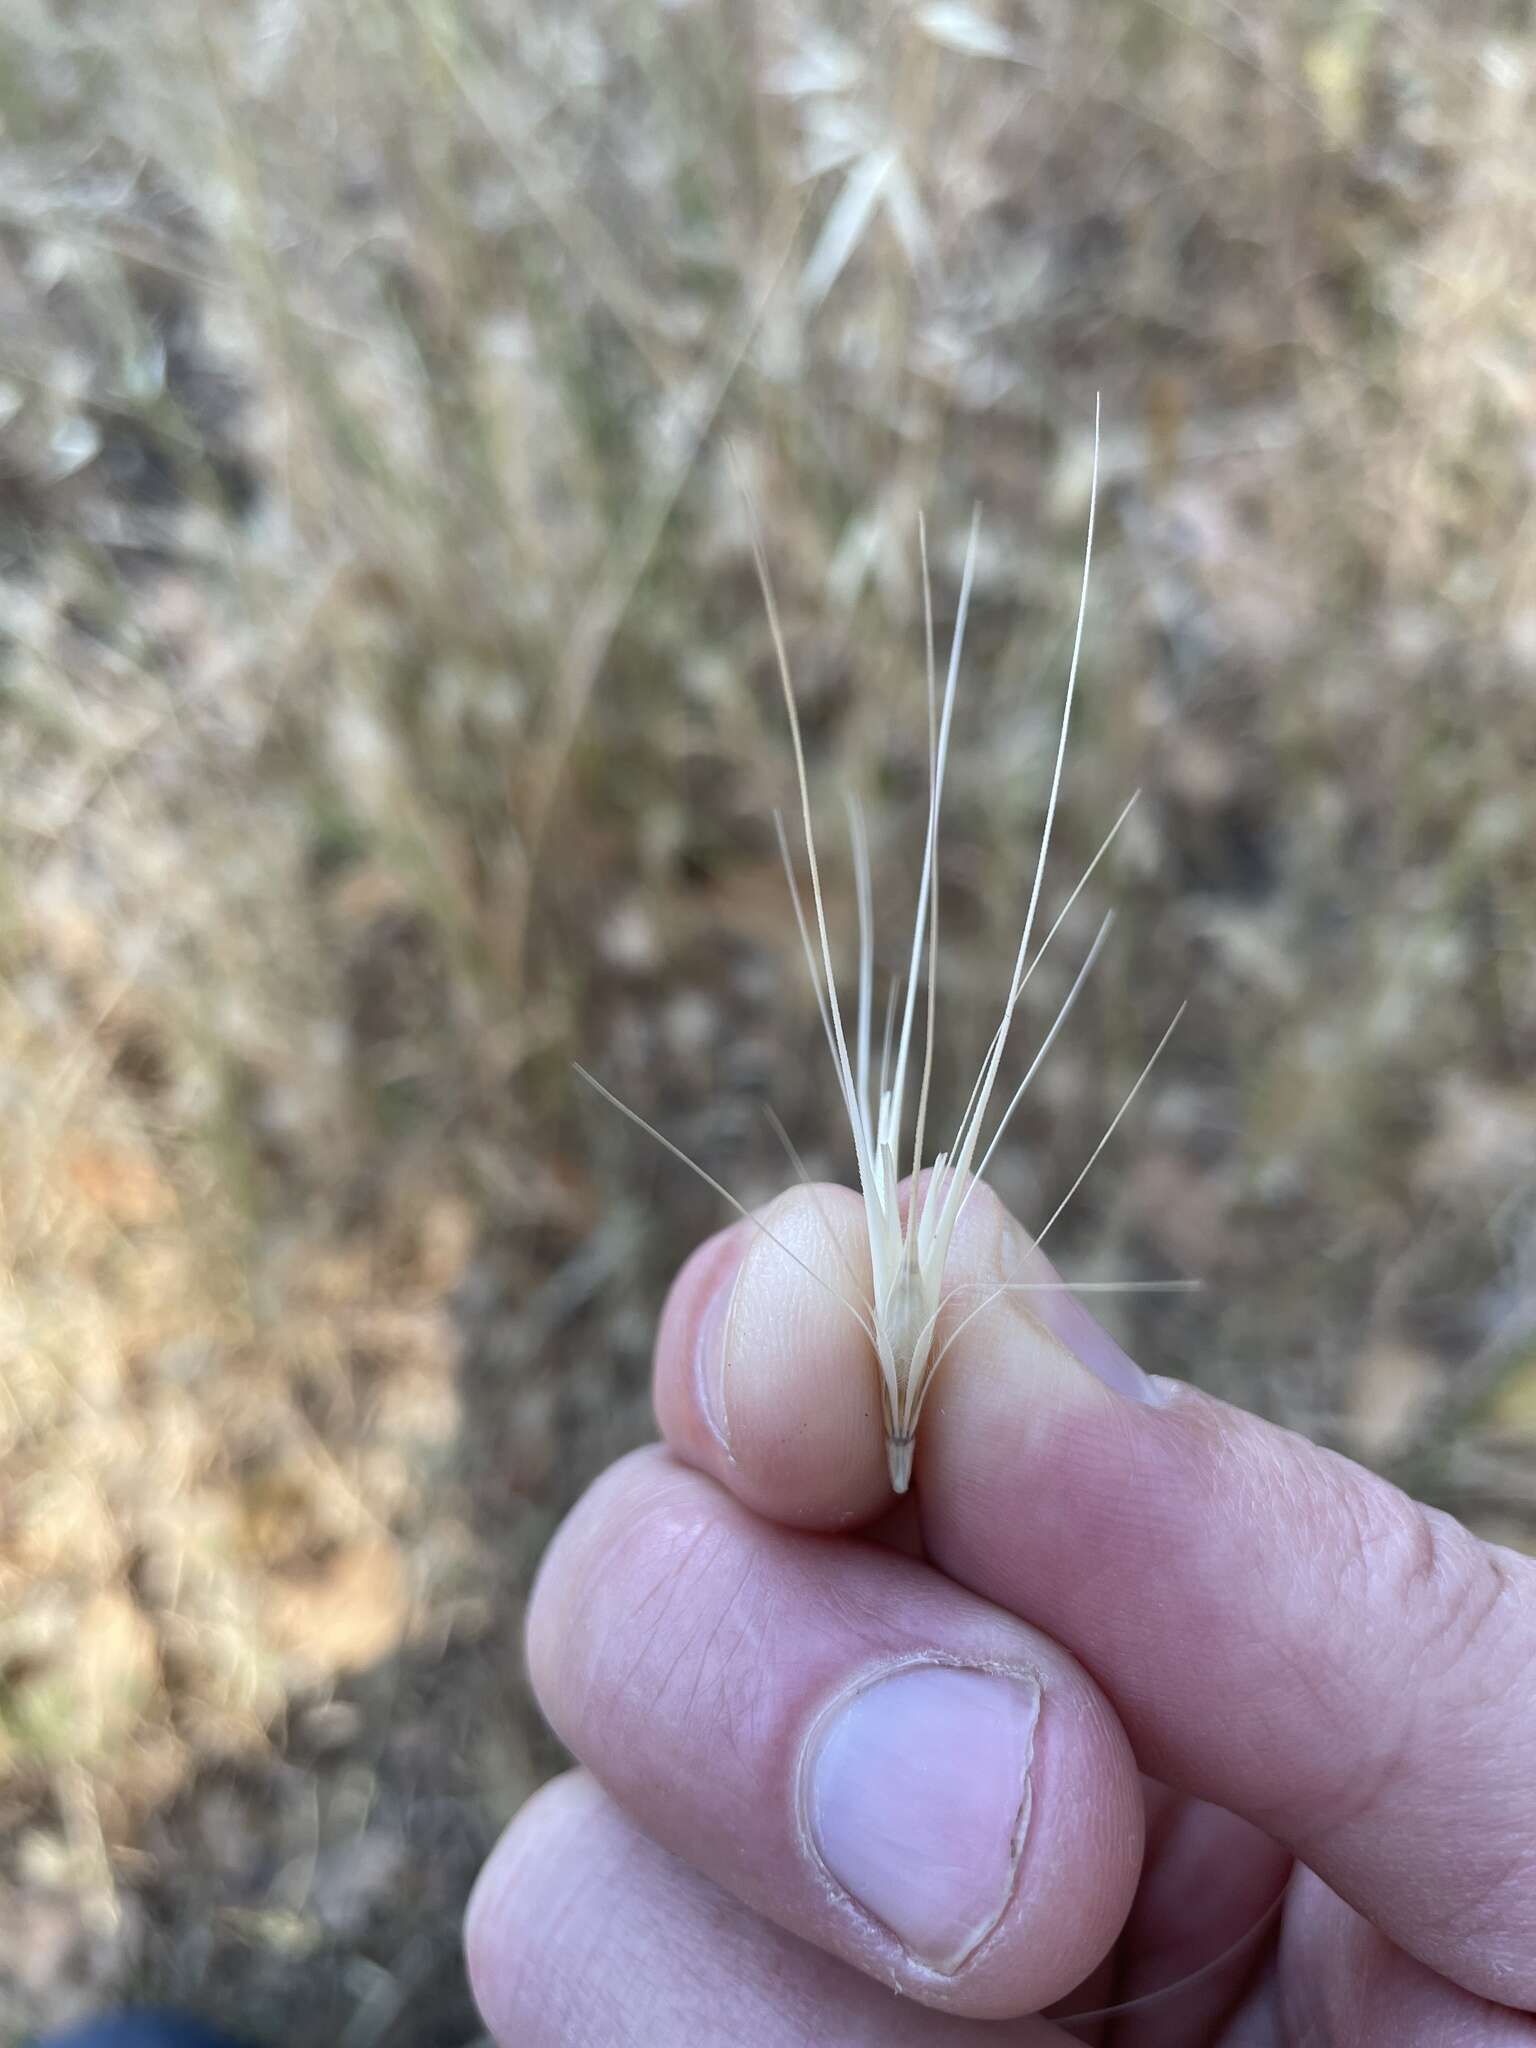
x: 1281, y: 1632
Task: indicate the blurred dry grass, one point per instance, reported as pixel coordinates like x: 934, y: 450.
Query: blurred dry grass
x: 388, y: 719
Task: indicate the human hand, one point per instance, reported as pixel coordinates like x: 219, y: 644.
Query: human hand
x: 834, y: 1749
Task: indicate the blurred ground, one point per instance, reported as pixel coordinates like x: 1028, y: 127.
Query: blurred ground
x: 388, y: 718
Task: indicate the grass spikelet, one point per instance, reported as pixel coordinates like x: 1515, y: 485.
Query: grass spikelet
x: 909, y: 1240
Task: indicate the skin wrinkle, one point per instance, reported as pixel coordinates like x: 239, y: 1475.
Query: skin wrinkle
x: 1364, y: 1776
x: 684, y: 1552
x: 695, y: 1643
x: 656, y: 1604
x: 1428, y: 1559
x: 690, y: 1528
x: 1482, y: 1906
x: 1431, y: 1564
x: 1382, y: 1530
x: 737, y: 1687
x: 848, y: 1612
x: 1359, y: 1780
x: 1256, y: 1477
x: 1361, y: 1528
x: 662, y: 1685
x: 1342, y: 1983
x: 1474, y: 1593
x: 1212, y: 1473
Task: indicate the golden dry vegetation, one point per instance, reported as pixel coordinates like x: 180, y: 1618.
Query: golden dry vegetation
x: 389, y: 718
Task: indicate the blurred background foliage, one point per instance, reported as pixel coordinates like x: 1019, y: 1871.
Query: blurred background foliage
x: 387, y: 717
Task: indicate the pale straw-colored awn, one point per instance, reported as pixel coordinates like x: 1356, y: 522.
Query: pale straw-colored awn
x: 900, y: 1312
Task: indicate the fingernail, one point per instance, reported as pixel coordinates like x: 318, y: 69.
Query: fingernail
x: 1069, y: 1322
x: 1092, y: 1345
x: 917, y: 1799
x: 714, y: 1319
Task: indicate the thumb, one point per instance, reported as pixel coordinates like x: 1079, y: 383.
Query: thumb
x: 1282, y: 1632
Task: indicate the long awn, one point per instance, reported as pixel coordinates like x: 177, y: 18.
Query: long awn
x: 909, y: 1244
